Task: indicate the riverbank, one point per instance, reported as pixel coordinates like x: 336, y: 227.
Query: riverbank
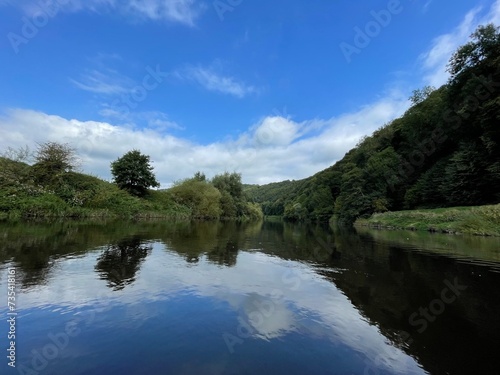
x: 478, y: 220
x: 73, y: 195
x: 76, y: 195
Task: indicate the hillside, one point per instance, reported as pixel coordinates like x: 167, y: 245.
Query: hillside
x: 30, y: 192
x: 75, y: 195
x: 444, y: 151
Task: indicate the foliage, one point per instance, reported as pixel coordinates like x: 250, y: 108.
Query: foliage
x: 222, y: 197
x: 74, y: 195
x: 232, y: 201
x: 200, y: 196
x: 444, y: 151
x: 52, y: 159
x: 484, y: 44
x: 134, y: 173
x: 419, y: 95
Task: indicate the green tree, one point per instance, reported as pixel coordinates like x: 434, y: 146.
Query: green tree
x: 419, y: 95
x: 230, y: 182
x: 232, y: 202
x: 200, y: 176
x: 53, y: 159
x: 485, y: 44
x: 466, y: 178
x: 134, y: 173
x: 200, y: 196
x: 352, y: 202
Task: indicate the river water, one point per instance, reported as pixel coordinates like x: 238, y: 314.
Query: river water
x: 246, y: 298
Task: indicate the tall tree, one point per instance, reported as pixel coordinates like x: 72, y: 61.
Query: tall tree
x: 134, y: 173
x: 485, y: 43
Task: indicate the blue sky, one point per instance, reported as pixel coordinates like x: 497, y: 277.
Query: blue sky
x: 272, y: 89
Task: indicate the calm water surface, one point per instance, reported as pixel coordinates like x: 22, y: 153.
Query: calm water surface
x: 259, y: 298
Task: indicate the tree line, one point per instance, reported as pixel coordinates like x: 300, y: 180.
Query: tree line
x: 444, y: 151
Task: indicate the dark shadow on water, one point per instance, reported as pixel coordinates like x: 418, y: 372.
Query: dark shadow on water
x: 120, y: 262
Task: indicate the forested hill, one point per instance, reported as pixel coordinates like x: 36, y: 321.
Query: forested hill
x: 444, y: 151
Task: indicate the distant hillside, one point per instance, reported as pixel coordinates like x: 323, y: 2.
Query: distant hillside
x: 444, y: 151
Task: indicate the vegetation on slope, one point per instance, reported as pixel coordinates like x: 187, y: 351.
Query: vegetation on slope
x: 77, y: 195
x: 443, y: 152
x: 51, y: 188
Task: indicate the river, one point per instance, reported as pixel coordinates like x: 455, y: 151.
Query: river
x: 246, y: 298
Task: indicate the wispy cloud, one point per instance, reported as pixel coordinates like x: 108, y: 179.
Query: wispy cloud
x: 435, y: 60
x: 211, y: 80
x: 155, y: 120
x: 180, y: 11
x: 426, y: 6
x: 105, y: 81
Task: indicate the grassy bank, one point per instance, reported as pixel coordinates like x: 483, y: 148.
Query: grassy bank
x: 76, y: 195
x: 25, y: 193
x: 479, y: 220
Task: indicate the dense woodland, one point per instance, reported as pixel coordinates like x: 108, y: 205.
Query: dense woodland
x: 444, y: 151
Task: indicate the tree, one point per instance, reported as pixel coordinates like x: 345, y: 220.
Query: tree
x: 200, y: 196
x: 134, y: 173
x: 53, y: 159
x: 485, y: 43
x: 200, y: 176
x: 232, y: 198
x: 230, y: 182
x: 419, y: 95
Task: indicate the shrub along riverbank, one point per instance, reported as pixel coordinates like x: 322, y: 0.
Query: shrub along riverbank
x: 68, y: 194
x: 479, y: 220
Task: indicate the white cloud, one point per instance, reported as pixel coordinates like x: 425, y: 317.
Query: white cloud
x: 275, y: 149
x: 180, y: 11
x: 426, y: 6
x: 286, y: 292
x: 156, y: 120
x: 436, y: 59
x: 106, y: 82
x: 209, y: 79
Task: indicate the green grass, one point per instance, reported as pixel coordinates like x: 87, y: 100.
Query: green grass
x: 479, y: 220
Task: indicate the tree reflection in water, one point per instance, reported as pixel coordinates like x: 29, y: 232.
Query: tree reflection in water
x: 120, y: 262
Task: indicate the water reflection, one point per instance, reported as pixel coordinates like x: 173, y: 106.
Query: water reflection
x: 271, y: 297
x: 120, y: 262
x: 219, y: 241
